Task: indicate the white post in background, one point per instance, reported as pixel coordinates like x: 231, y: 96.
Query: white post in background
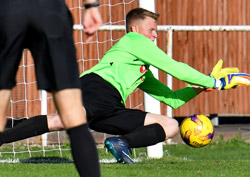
x: 151, y: 104
x: 43, y: 95
x: 169, y: 77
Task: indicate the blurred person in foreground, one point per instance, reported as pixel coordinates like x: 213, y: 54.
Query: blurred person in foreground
x: 45, y: 28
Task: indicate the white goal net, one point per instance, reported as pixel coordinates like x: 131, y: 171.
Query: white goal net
x: 26, y: 101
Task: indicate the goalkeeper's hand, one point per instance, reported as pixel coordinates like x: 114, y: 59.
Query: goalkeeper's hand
x: 219, y: 72
x: 231, y: 81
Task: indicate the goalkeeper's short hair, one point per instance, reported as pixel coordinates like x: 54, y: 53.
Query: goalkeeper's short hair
x: 139, y: 14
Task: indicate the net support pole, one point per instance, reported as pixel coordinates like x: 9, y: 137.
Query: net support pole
x: 152, y: 105
x: 169, y: 77
x: 43, y: 96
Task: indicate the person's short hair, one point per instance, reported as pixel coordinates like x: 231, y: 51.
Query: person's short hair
x: 139, y: 14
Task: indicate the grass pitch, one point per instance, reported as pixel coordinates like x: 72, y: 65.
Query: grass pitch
x: 229, y: 159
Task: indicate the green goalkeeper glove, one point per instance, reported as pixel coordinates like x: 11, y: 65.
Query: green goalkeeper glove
x: 231, y: 81
x: 219, y: 72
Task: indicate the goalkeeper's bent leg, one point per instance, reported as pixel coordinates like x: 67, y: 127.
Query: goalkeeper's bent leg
x: 73, y: 115
x: 145, y: 136
x: 156, y: 129
x: 28, y: 128
x: 170, y: 125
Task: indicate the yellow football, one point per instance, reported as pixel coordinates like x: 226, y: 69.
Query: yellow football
x: 197, y: 130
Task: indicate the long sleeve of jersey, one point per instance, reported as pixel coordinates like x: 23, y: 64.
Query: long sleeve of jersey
x: 145, y: 50
x: 163, y: 93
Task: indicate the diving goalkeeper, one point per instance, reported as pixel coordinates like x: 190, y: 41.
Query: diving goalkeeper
x: 125, y: 67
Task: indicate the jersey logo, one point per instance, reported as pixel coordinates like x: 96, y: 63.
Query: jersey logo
x: 143, y: 69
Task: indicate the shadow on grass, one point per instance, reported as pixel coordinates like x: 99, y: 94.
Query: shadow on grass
x: 46, y: 160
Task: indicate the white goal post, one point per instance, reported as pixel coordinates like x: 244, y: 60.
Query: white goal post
x: 151, y: 104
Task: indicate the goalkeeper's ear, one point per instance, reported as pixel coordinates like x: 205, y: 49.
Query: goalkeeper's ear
x: 134, y: 28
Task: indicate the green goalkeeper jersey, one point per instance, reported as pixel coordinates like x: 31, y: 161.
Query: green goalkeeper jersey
x: 126, y: 67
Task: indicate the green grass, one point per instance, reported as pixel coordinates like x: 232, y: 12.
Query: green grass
x: 229, y: 159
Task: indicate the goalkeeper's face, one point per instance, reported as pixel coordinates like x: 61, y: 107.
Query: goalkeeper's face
x: 147, y: 27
